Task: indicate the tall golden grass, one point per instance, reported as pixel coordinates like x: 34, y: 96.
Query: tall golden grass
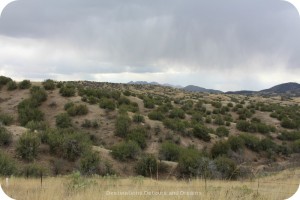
x: 277, y: 186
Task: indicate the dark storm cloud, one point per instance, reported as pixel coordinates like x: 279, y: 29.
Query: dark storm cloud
x: 140, y: 36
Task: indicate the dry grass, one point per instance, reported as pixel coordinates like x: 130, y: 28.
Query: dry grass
x: 278, y: 186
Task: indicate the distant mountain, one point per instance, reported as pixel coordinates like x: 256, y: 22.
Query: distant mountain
x: 285, y: 88
x: 291, y: 89
x: 153, y: 83
x: 242, y: 92
x: 193, y: 88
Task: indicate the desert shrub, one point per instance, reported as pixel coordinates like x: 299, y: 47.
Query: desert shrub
x: 28, y: 114
x: 219, y: 120
x: 33, y: 170
x: 27, y: 147
x: 169, y: 151
x: 6, y: 119
x: 226, y: 167
x: 138, y: 118
x: 12, y: 85
x: 49, y: 84
x: 122, y: 125
x: 108, y: 104
x: 4, y: 80
x: 267, y: 144
x: 89, y: 163
x: 126, y: 151
x: 175, y: 124
x: 177, y: 113
x: 25, y: 84
x: 5, y: 136
x: 263, y: 128
x: 67, y: 90
x: 289, y: 136
x: 78, y: 110
x: 35, y: 125
x: 251, y: 142
x: 156, y: 115
x: 132, y: 107
x: 63, y: 120
x: 222, y: 131
x: 90, y: 124
x: 235, y: 143
x: 92, y: 100
x: 127, y: 93
x: 230, y: 104
x: 201, y: 132
x: 288, y: 123
x: 296, y: 146
x: 216, y: 104
x: 197, y: 117
x: 149, y: 103
x: 188, y: 162
x: 147, y: 165
x: 138, y: 135
x: 7, y: 165
x: 220, y: 148
x: 69, y: 105
x: 208, y: 119
x: 38, y: 94
x: 243, y: 125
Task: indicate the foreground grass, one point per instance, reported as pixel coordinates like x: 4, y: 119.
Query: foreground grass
x: 277, y: 186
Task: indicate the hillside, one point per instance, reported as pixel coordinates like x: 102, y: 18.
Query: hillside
x: 129, y: 130
x: 193, y: 88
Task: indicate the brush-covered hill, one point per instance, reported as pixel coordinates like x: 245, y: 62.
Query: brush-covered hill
x: 149, y: 130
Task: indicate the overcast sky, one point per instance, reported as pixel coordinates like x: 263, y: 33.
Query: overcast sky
x: 226, y: 45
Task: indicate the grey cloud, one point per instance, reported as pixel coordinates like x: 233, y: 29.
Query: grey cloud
x: 140, y: 36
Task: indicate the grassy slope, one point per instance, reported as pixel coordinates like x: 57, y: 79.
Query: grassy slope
x: 277, y: 186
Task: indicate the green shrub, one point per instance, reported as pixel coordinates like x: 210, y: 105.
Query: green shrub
x: 49, y: 84
x: 289, y: 136
x: 67, y: 90
x: 156, y: 115
x: 7, y: 165
x: 149, y: 103
x: 89, y: 163
x: 25, y: 84
x: 138, y: 135
x: 12, y: 85
x: 251, y: 142
x: 122, y: 125
x: 63, y: 120
x: 38, y: 94
x: 188, y: 162
x: 6, y: 119
x: 169, y: 151
x: 220, y: 148
x: 28, y: 114
x: 127, y: 93
x: 108, y: 104
x: 35, y: 125
x: 235, y: 143
x: 5, y: 136
x: 77, y: 110
x: 267, y: 144
x: 226, y: 167
x: 137, y: 118
x: 4, y: 80
x: 296, y: 146
x: 287, y: 123
x: 219, y: 120
x: 222, y: 131
x: 201, y: 132
x: 126, y: 151
x: 69, y: 105
x: 33, y: 170
x: 147, y: 166
x: 175, y: 124
x: 27, y: 147
x: 177, y: 113
x: 90, y: 124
